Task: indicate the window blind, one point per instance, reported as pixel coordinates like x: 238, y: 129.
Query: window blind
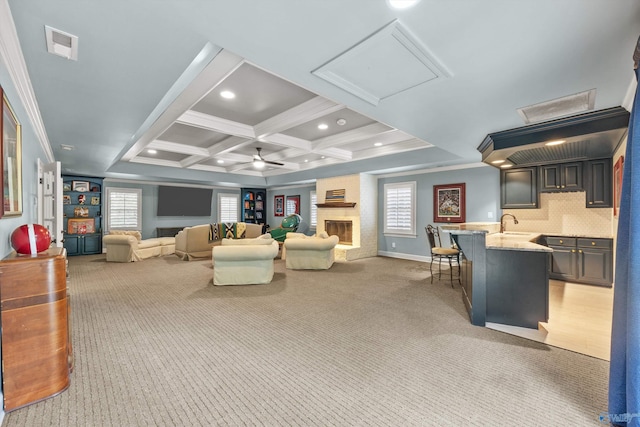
x: 228, y: 207
x: 124, y: 208
x: 399, y: 205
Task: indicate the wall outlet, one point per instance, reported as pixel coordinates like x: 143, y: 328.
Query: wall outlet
x: 393, y: 245
x: 489, y: 215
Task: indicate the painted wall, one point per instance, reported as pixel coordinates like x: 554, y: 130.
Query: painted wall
x: 482, y: 188
x: 150, y: 220
x: 31, y: 152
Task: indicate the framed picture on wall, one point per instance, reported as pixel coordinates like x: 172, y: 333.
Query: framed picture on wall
x: 293, y: 205
x: 278, y: 205
x: 617, y: 185
x: 449, y: 203
x: 11, y: 149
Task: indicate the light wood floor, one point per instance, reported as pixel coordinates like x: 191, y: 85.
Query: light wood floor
x: 579, y: 319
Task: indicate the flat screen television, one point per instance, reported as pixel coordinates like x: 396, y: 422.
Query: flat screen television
x: 184, y: 201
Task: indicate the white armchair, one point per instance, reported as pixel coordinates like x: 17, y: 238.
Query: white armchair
x: 309, y: 252
x: 244, y: 261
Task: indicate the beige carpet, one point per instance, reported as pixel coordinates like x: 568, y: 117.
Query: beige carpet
x: 367, y: 343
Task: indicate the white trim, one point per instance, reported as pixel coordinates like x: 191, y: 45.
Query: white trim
x: 13, y: 59
x: 435, y: 170
x: 410, y: 257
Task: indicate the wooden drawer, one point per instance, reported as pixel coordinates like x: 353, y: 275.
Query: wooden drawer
x: 561, y: 241
x: 595, y: 243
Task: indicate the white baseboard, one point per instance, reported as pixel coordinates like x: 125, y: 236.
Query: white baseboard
x: 411, y: 257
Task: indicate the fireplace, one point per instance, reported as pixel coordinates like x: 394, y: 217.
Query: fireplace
x: 342, y: 229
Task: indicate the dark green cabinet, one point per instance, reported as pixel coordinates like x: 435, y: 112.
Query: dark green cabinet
x: 581, y: 260
x: 560, y: 177
x: 599, y: 183
x: 83, y: 245
x: 519, y: 188
x: 254, y: 205
x: 82, y: 209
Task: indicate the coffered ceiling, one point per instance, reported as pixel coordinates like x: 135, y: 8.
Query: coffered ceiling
x: 398, y: 90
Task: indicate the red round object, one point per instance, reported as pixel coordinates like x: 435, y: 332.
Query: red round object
x: 30, y: 239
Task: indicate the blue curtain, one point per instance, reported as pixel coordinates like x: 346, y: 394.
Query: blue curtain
x: 624, y: 370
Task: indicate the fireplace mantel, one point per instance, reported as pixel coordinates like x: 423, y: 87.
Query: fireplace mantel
x: 336, y: 205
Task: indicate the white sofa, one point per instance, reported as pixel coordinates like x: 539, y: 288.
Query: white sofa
x: 303, y: 252
x: 244, y: 261
x: 195, y: 243
x: 128, y: 246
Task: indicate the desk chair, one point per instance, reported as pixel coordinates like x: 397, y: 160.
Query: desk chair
x: 439, y: 252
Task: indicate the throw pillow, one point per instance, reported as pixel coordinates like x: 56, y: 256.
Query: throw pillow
x: 214, y: 232
x: 229, y: 230
x: 241, y: 229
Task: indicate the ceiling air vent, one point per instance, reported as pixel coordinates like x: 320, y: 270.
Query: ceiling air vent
x: 61, y: 43
x: 560, y: 107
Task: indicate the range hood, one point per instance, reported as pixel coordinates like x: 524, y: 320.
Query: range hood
x: 586, y: 136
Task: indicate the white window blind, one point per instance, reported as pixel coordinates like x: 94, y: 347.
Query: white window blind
x: 228, y: 207
x: 124, y: 208
x: 399, y: 208
x: 314, y: 209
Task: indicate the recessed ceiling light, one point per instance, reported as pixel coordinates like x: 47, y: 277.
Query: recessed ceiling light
x: 323, y: 157
x: 306, y: 160
x: 558, y: 142
x: 227, y: 94
x: 151, y: 151
x: 402, y: 4
x: 506, y: 165
x: 377, y: 144
x: 67, y: 147
x: 323, y: 126
x: 497, y: 162
x: 341, y: 122
x: 220, y: 161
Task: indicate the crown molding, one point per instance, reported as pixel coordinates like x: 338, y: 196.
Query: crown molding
x: 14, y: 61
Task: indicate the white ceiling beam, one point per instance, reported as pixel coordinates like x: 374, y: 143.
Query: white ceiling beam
x: 300, y: 114
x: 175, y: 147
x: 228, y: 144
x: 353, y: 135
x: 288, y: 141
x: 337, y: 153
x: 216, y: 124
x: 156, y: 162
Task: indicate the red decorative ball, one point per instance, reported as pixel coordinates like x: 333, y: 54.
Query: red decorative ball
x: 30, y: 239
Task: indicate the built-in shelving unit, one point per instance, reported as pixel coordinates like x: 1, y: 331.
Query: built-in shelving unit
x: 82, y: 208
x: 254, y: 205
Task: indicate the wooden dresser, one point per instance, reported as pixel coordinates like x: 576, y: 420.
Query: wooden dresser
x: 35, y: 313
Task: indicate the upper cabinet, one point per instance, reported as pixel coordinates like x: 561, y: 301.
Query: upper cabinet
x: 599, y: 183
x: 561, y: 177
x: 518, y: 188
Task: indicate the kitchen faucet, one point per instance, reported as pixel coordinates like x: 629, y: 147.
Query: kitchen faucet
x: 502, y: 228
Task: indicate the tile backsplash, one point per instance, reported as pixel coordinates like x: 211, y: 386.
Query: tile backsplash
x: 563, y: 213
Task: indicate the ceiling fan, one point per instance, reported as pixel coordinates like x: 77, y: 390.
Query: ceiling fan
x: 259, y: 162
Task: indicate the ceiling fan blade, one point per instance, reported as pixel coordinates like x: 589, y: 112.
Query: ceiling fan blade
x: 273, y: 163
